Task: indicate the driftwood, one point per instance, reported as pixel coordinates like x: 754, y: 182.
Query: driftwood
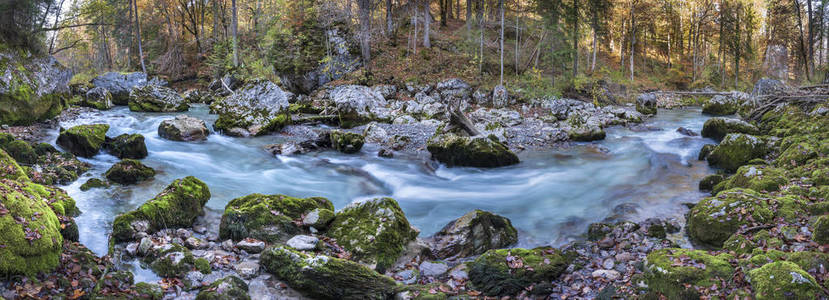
x: 458, y: 120
x: 705, y: 94
x: 805, y: 96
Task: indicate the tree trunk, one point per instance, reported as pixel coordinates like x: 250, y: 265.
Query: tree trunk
x: 235, y: 33
x: 575, y: 38
x: 721, y: 51
x: 517, y: 37
x: 365, y: 28
x: 632, y: 37
x: 138, y: 31
x: 481, y: 31
x: 595, y: 50
x: 389, y: 24
x: 55, y: 34
x: 427, y: 21
x: 468, y: 16
x: 501, y: 7
x: 737, y: 49
x: 811, y: 56
x: 803, y: 54
x: 458, y: 9
x: 215, y: 20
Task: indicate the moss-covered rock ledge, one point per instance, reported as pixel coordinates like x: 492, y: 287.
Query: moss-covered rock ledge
x: 32, y: 88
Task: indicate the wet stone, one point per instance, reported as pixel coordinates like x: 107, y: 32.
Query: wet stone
x: 251, y: 245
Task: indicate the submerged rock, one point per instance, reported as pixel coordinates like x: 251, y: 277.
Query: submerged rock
x: 472, y: 234
x: 718, y: 128
x: 129, y: 171
x: 479, y: 151
x: 375, y: 231
x: 127, y: 146
x: 735, y: 150
x: 152, y: 98
x: 32, y: 87
x: 270, y: 218
x: 678, y: 273
x: 176, y: 206
x: 183, y: 128
x: 93, y: 183
x: 258, y: 108
x: 507, y: 272
x: 342, y: 279
x: 83, y: 140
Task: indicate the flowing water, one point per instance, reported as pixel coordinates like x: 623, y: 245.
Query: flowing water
x: 551, y: 196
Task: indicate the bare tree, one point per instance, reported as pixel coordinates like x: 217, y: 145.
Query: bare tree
x: 501, y: 7
x: 427, y: 20
x: 365, y: 30
x: 138, y: 31
x: 389, y: 25
x: 235, y: 32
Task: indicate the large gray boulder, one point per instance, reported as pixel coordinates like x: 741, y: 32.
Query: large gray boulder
x: 479, y: 151
x: 356, y: 105
x: 183, y: 128
x: 120, y: 84
x: 473, y: 234
x: 722, y: 105
x: 647, y: 103
x: 153, y: 98
x: 32, y: 88
x: 98, y: 98
x: 454, y: 90
x: 718, y: 128
x: 258, y: 108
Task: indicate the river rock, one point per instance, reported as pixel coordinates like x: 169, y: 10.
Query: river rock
x: 735, y: 150
x: 374, y: 231
x: 198, y: 96
x: 346, y: 142
x: 93, y: 183
x: 228, y: 288
x: 714, y: 219
x: 267, y: 217
x: 32, y: 87
x: 83, y: 140
x: 479, y: 151
x: 175, y: 261
x: 721, y: 105
x: 678, y: 273
x: 755, y: 177
x: 120, y: 84
x: 251, y: 245
x: 510, y: 271
x: 129, y: 171
x: 647, y: 103
x: 343, y: 279
x: 177, y: 206
x: 98, y: 98
x: 303, y: 242
x: 356, y: 105
x: 152, y: 98
x: 183, y: 128
x: 783, y: 280
x: 454, y: 91
x: 258, y: 108
x: 433, y: 268
x: 473, y: 234
x: 247, y: 269
x: 496, y: 118
x: 718, y: 128
x: 127, y: 146
x: 35, y: 244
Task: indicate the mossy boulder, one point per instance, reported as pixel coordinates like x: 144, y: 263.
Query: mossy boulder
x: 260, y: 107
x: 715, y: 219
x: 31, y: 236
x: 127, y: 146
x: 346, y: 142
x: 797, y: 155
x: 705, y: 151
x: 721, y: 105
x: 228, y: 288
x: 708, y: 182
x: 718, y: 128
x: 153, y: 98
x: 183, y: 128
x: 375, y: 231
x: 271, y: 218
x: 93, y: 183
x: 735, y: 150
x: 324, y: 277
x: 9, y: 169
x: 83, y: 140
x: 485, y: 152
x: 676, y: 273
x: 783, y: 280
x: 647, y: 103
x: 32, y: 87
x: 755, y: 177
x: 173, y: 262
x: 821, y: 230
x: 473, y: 234
x: 129, y: 171
x: 57, y: 168
x: 21, y: 151
x: 176, y: 206
x: 508, y: 272
x: 97, y: 98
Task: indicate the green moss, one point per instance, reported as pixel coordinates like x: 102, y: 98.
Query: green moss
x: 346, y: 142
x: 34, y: 244
x: 507, y: 272
x: 708, y: 183
x: 129, y: 171
x: 176, y: 206
x: 755, y: 177
x: 9, y: 169
x: 93, y: 183
x: 821, y: 230
x: 718, y: 128
x: 783, y: 280
x: 269, y: 218
x: 735, y: 150
x: 83, y: 140
x: 127, y: 146
x: 675, y: 273
x: 705, y: 151
x: 203, y: 265
x: 715, y: 219
x: 175, y: 262
x: 719, y: 108
x: 343, y: 279
x: 148, y: 291
x: 22, y: 106
x: 797, y: 155
x: 228, y: 288
x: 375, y: 231
x: 21, y: 151
x: 484, y: 152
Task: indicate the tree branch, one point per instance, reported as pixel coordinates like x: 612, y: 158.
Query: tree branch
x: 72, y: 45
x: 73, y: 26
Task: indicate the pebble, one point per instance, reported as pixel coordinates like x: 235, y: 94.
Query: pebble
x: 183, y: 233
x: 227, y: 245
x: 195, y: 243
x: 200, y: 229
x: 132, y: 249
x: 608, y: 263
x: 408, y: 276
x: 303, y: 242
x: 247, y: 269
x: 608, y: 274
x: 624, y: 257
x: 144, y: 246
x: 251, y: 245
x: 606, y: 242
